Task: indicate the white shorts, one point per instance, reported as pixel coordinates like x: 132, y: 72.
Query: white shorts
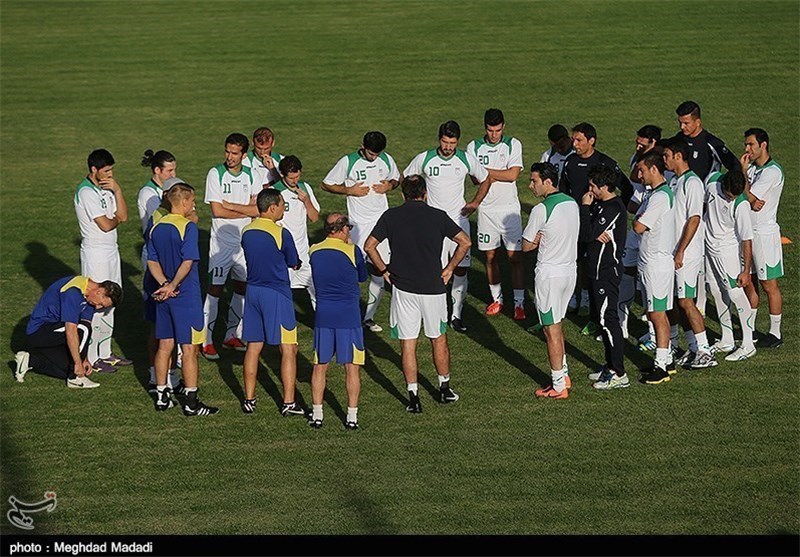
x: 659, y: 285
x: 101, y: 264
x: 552, y: 297
x: 360, y: 233
x: 496, y: 226
x: 449, y: 246
x: 630, y: 255
x: 224, y: 259
x: 725, y: 267
x: 687, y: 278
x: 301, y: 278
x: 767, y: 255
x: 408, y: 309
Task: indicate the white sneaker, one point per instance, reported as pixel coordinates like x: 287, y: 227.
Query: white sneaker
x: 81, y: 383
x: 372, y: 326
x: 612, y: 381
x: 21, y: 358
x: 719, y: 347
x: 740, y: 354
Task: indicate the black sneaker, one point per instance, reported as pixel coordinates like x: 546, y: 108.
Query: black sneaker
x: 194, y: 407
x: 353, y: 425
x: 315, y: 424
x: 164, y: 400
x: 446, y: 394
x: 249, y: 406
x: 657, y: 376
x: 770, y: 341
x: 414, y: 405
x: 292, y: 409
x: 458, y: 326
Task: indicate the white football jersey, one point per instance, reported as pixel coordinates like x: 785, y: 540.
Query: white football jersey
x: 727, y: 221
x: 557, y: 217
x: 295, y: 218
x: 262, y: 175
x: 221, y: 186
x: 148, y: 200
x: 658, y: 241
x: 353, y: 169
x: 90, y: 202
x: 766, y: 183
x: 505, y: 154
x: 554, y: 157
x: 445, y: 178
x: 689, y: 193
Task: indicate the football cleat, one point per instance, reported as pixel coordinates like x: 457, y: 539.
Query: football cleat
x: 315, y: 424
x: 22, y: 361
x: 740, y: 354
x: 494, y: 308
x: 351, y: 425
x: 720, y: 347
x: 292, y: 409
x: 372, y: 326
x: 248, y: 406
x: 655, y: 376
x: 770, y: 341
x: 457, y: 325
x: 597, y: 374
x: 209, y: 352
x: 164, y: 400
x: 519, y: 313
x: 447, y: 395
x: 199, y: 409
x: 235, y: 344
x: 117, y: 361
x: 414, y: 406
x: 550, y: 392
x: 686, y: 359
x: 102, y: 366
x: 81, y: 383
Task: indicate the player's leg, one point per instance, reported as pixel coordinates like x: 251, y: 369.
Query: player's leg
x: 512, y: 240
x: 251, y: 357
x: 281, y: 329
x: 768, y: 265
x: 458, y: 291
x: 233, y: 329
x: 405, y: 318
x: 254, y: 334
x: 434, y: 319
x: 552, y: 299
x: 658, y: 284
x: 190, y: 334
x: 165, y: 333
x: 317, y: 391
x: 220, y: 262
x: 731, y: 267
x: 488, y: 243
x: 775, y: 299
x: 353, y: 385
x: 351, y: 352
x: 359, y: 234
x: 715, y: 281
x: 289, y: 377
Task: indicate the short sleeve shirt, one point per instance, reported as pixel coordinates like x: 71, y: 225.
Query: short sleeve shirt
x: 689, y: 193
x: 505, y: 154
x: 766, y: 183
x: 558, y: 219
x: 222, y: 185
x: 354, y: 169
x: 91, y: 202
x: 658, y: 241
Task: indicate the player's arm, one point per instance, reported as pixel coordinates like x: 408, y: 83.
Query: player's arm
x: 479, y: 173
x: 532, y: 234
x: 107, y: 224
x: 371, y: 248
x: 507, y: 175
x: 121, y: 214
x: 312, y: 210
x: 80, y: 367
x: 585, y: 231
x: 219, y: 211
x: 624, y: 186
x: 724, y: 154
x: 689, y: 230
x: 463, y: 243
x: 249, y: 210
x: 657, y: 205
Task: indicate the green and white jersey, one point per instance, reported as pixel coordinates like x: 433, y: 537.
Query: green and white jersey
x: 262, y: 175
x: 353, y: 169
x: 766, y: 183
x: 657, y: 213
x: 222, y: 185
x: 90, y: 202
x: 505, y: 154
x: 445, y: 178
x: 557, y: 217
x: 148, y: 200
x: 728, y: 221
x: 295, y: 218
x: 689, y: 192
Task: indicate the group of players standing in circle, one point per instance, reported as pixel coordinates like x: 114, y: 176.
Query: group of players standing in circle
x: 693, y: 226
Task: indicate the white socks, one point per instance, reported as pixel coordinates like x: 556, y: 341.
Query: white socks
x: 459, y: 294
x: 413, y: 388
x: 235, y: 312
x: 775, y: 325
x: 210, y: 309
x: 374, y: 295
x: 746, y: 316
x: 519, y: 297
x: 443, y: 379
x: 663, y: 357
x: 559, y: 379
x: 497, y: 292
x: 701, y: 342
x: 316, y: 412
x: 352, y: 414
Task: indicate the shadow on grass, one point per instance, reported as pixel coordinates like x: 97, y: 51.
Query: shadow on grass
x: 373, y: 518
x: 377, y: 347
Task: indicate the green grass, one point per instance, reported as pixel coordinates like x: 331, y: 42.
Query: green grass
x: 710, y: 452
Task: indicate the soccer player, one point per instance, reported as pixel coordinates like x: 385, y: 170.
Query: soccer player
x: 655, y: 221
x: 337, y: 266
x: 763, y: 190
x: 603, y: 224
x: 163, y: 165
x: 262, y: 160
x: 552, y: 230
x: 499, y: 217
x: 416, y: 232
x: 560, y: 147
x: 444, y: 170
x: 729, y: 237
x: 708, y: 152
x: 59, y: 330
x: 575, y: 182
x: 365, y: 177
x: 230, y: 193
x: 172, y: 256
x: 301, y: 207
x: 646, y: 139
x: 100, y: 207
x: 269, y: 312
x: 689, y: 256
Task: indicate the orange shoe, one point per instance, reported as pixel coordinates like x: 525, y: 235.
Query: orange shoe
x: 550, y: 392
x: 568, y: 382
x: 235, y: 344
x: 494, y: 308
x: 209, y: 352
x: 519, y: 313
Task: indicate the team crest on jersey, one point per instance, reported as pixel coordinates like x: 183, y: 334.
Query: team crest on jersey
x: 602, y: 220
x: 696, y: 154
x: 458, y: 170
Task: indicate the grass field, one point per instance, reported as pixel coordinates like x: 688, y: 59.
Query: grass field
x: 710, y: 452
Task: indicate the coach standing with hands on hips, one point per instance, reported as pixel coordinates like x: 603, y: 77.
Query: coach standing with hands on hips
x: 416, y: 233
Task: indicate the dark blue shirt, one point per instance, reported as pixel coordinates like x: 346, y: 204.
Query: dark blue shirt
x: 269, y: 251
x: 63, y: 302
x: 173, y: 240
x: 336, y: 269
